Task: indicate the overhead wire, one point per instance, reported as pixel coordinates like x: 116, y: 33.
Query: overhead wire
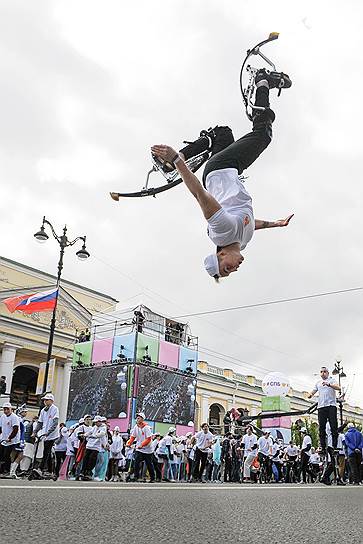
x: 271, y: 302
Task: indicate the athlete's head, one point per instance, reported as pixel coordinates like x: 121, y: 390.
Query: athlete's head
x: 224, y: 262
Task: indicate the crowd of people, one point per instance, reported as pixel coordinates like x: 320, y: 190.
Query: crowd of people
x: 89, y: 450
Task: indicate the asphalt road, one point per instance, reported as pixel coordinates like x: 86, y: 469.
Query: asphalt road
x: 81, y: 512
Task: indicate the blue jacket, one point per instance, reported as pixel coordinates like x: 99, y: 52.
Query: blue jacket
x: 353, y: 440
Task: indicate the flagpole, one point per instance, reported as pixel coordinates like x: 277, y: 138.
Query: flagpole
x: 82, y: 254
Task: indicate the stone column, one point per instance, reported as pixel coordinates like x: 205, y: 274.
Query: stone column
x: 255, y: 408
x: 64, y: 392
x: 7, y: 361
x: 204, y: 409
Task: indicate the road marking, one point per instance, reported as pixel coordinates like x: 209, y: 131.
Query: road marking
x: 167, y: 487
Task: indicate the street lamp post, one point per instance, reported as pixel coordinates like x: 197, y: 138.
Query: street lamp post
x: 63, y: 242
x: 338, y: 371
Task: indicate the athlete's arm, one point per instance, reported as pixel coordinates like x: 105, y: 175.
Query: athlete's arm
x: 259, y: 224
x: 206, y: 201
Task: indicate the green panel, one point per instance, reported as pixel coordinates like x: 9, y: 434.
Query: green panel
x: 82, y: 353
x: 162, y: 428
x: 275, y: 404
x: 130, y: 380
x: 151, y: 343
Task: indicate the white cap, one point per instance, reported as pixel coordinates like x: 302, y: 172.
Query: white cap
x: 141, y: 414
x: 350, y: 425
x: 171, y: 430
x: 117, y: 428
x: 48, y: 396
x: 97, y: 418
x: 103, y: 418
x: 81, y: 420
x: 211, y: 265
x: 7, y: 405
x: 303, y: 430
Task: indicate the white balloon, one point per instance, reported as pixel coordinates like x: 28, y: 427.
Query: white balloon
x: 123, y: 386
x: 191, y: 424
x: 275, y: 384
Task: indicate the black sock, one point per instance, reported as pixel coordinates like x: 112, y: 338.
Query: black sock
x: 200, y: 145
x: 262, y: 96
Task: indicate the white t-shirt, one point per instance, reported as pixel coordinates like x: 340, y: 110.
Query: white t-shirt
x: 264, y: 445
x: 315, y: 458
x: 305, y: 443
x: 249, y: 441
x: 327, y: 395
x: 62, y: 444
x: 203, y: 439
x: 292, y: 451
x: 141, y: 434
x: 234, y: 222
x: 7, y: 423
x: 47, y: 417
x: 97, y: 440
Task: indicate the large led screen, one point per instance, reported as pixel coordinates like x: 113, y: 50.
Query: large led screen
x: 165, y: 396
x: 98, y: 390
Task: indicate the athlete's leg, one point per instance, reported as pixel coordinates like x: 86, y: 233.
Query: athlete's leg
x: 333, y: 421
x: 245, y: 151
x: 322, y: 418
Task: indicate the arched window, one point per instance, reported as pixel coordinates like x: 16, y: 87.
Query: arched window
x: 216, y: 414
x: 24, y: 386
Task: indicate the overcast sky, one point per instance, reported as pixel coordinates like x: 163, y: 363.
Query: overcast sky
x: 87, y: 87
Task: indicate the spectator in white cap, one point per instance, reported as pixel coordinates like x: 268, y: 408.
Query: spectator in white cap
x: 48, y: 430
x: 165, y: 452
x: 83, y: 430
x: 142, y: 434
x: 97, y: 439
x: 9, y: 436
x: 60, y: 448
x: 116, y: 448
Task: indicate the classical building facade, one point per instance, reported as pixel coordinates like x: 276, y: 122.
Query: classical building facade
x: 220, y: 389
x: 24, y: 338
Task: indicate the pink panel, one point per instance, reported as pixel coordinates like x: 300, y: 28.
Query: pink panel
x: 102, y: 350
x: 122, y: 423
x: 182, y: 430
x: 284, y: 422
x: 169, y: 354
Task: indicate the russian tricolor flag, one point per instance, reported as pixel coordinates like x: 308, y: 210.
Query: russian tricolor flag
x: 29, y: 304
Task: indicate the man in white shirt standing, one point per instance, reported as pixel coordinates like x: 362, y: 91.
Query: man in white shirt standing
x: 265, y: 444
x: 249, y: 440
x: 225, y: 203
x: 48, y: 430
x: 9, y: 436
x: 203, y: 442
x: 327, y: 406
x: 142, y: 435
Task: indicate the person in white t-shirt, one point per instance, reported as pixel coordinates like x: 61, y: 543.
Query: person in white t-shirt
x: 142, y: 435
x: 249, y: 440
x: 327, y: 406
x: 9, y: 436
x: 224, y: 201
x: 305, y: 455
x: 203, y: 443
x: 264, y: 449
x: 47, y: 429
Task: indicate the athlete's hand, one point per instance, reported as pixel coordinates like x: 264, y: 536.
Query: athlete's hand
x: 284, y: 222
x: 164, y: 152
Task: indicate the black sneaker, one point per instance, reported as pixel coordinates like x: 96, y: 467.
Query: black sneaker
x: 276, y: 80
